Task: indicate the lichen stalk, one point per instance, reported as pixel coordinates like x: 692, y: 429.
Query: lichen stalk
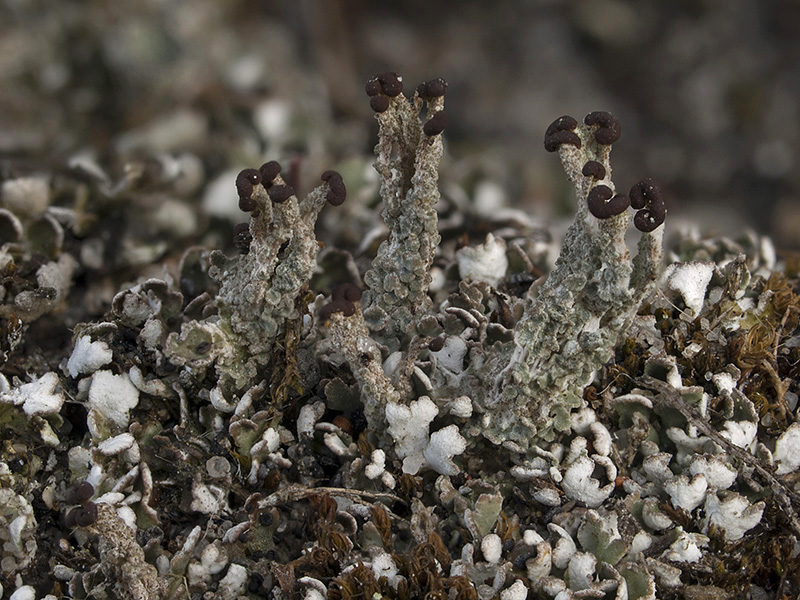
x: 259, y: 288
x: 351, y: 335
x: 407, y: 162
x: 572, y: 323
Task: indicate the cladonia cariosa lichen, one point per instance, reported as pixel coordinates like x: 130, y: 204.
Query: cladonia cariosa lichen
x: 572, y: 323
x: 524, y: 386
x: 408, y: 154
x: 259, y: 289
x: 235, y: 434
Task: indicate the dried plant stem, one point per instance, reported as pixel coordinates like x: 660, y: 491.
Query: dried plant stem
x: 296, y: 492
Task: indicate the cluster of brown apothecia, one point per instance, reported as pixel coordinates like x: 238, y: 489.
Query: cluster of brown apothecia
x: 644, y: 196
x: 343, y: 300
x: 85, y: 513
x: 254, y: 183
x: 384, y: 86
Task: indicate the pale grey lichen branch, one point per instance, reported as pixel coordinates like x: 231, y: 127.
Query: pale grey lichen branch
x: 408, y: 154
x: 572, y: 323
x: 350, y: 335
x: 259, y: 289
x: 123, y: 558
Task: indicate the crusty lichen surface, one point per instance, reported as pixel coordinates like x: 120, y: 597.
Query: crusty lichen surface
x: 407, y: 159
x: 259, y: 289
x: 123, y: 558
x: 364, y: 356
x: 573, y: 321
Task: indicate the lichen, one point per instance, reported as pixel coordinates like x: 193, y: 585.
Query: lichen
x: 572, y: 323
x: 123, y: 559
x: 465, y: 421
x: 259, y: 289
x: 407, y: 159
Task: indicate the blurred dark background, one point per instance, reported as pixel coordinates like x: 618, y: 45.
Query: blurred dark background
x: 708, y: 91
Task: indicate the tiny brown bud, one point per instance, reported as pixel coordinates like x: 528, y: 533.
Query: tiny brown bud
x: 565, y: 123
x: 347, y: 291
x: 434, y: 88
x: 644, y: 192
x: 246, y: 180
x: 246, y: 204
x: 436, y: 124
x: 391, y: 83
x: 280, y: 193
x: 269, y: 171
x: 331, y: 307
x: 79, y: 493
x: 436, y: 344
x: 608, y: 127
x: 373, y: 87
x: 343, y: 299
x: 555, y: 140
x: 343, y: 423
x: 379, y: 103
x: 81, y: 516
x: 646, y: 195
x: 603, y: 206
x: 594, y: 169
x: 646, y: 222
x: 87, y: 514
x: 337, y: 192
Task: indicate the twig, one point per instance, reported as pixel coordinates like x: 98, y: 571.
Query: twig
x: 295, y: 492
x: 783, y: 495
x: 780, y: 386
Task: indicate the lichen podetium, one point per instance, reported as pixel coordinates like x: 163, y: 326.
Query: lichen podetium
x: 572, y: 323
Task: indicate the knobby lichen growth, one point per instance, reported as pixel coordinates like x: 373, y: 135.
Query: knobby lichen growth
x: 569, y: 325
x: 259, y: 288
x: 572, y: 323
x: 408, y: 154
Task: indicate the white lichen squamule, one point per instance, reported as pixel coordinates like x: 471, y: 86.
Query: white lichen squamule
x: 18, y: 545
x: 39, y: 397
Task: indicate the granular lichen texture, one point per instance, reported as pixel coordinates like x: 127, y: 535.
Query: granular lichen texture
x: 407, y: 160
x: 415, y: 408
x: 259, y: 289
x: 571, y: 324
